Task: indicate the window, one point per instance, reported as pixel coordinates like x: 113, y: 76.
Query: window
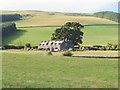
x: 47, y: 43
x: 52, y: 43
x: 59, y: 43
x: 56, y: 48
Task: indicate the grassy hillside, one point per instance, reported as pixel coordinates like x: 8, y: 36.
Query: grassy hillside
x: 36, y: 70
x: 93, y: 35
x: 108, y: 15
x: 39, y: 18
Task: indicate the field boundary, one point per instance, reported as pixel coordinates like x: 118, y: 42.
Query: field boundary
x: 110, y: 57
x: 36, y: 26
x: 60, y: 26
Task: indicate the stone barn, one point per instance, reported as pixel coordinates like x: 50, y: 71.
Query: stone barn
x: 56, y: 45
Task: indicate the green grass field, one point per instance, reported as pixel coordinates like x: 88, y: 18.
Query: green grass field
x: 34, y: 69
x: 37, y: 70
x: 93, y: 35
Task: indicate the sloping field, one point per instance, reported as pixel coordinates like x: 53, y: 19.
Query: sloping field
x: 93, y: 35
x: 37, y: 70
x: 39, y: 18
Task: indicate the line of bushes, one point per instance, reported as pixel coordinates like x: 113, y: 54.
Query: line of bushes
x: 78, y: 14
x: 27, y: 46
x: 109, y: 46
x: 10, y: 17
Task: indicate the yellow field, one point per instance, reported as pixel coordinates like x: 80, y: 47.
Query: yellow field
x: 38, y: 18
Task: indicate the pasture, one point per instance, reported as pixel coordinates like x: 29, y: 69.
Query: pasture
x: 93, y: 35
x: 34, y: 69
x: 40, y: 18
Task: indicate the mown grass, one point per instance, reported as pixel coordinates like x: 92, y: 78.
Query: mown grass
x: 93, y: 35
x: 37, y: 70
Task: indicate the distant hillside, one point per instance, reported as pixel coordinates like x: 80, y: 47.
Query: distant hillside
x: 41, y: 18
x: 10, y: 17
x: 108, y: 15
x: 78, y: 14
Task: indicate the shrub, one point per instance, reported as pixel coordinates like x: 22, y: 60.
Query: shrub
x: 35, y: 47
x: 27, y: 45
x: 68, y: 53
x: 49, y: 53
x: 9, y: 47
x: 13, y: 47
x: 19, y: 47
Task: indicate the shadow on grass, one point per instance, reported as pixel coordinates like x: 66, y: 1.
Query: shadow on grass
x: 8, y: 39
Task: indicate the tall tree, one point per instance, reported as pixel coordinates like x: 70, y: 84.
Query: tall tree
x: 69, y: 31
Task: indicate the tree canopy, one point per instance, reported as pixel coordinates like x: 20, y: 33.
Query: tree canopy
x: 69, y: 31
x: 10, y: 17
x: 7, y: 28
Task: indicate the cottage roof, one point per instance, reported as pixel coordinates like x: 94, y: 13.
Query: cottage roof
x: 51, y: 42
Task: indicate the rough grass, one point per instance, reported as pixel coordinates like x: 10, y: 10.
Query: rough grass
x: 37, y: 70
x: 45, y: 19
x: 57, y: 20
x: 93, y: 35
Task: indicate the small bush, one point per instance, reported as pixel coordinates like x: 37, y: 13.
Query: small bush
x: 49, y: 53
x: 35, y: 47
x: 68, y: 53
x: 27, y: 45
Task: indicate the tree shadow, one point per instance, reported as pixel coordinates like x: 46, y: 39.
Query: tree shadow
x: 8, y: 39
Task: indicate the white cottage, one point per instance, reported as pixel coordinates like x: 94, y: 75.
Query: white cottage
x: 56, y: 45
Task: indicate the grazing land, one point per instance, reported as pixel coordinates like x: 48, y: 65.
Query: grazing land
x: 33, y: 69
x: 93, y: 35
x: 39, y: 18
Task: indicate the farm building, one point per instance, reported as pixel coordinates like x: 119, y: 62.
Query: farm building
x: 56, y: 45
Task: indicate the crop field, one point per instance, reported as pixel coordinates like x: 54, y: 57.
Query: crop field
x: 93, y: 35
x: 37, y: 70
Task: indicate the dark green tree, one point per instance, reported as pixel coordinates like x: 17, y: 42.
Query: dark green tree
x: 8, y: 28
x: 69, y: 31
